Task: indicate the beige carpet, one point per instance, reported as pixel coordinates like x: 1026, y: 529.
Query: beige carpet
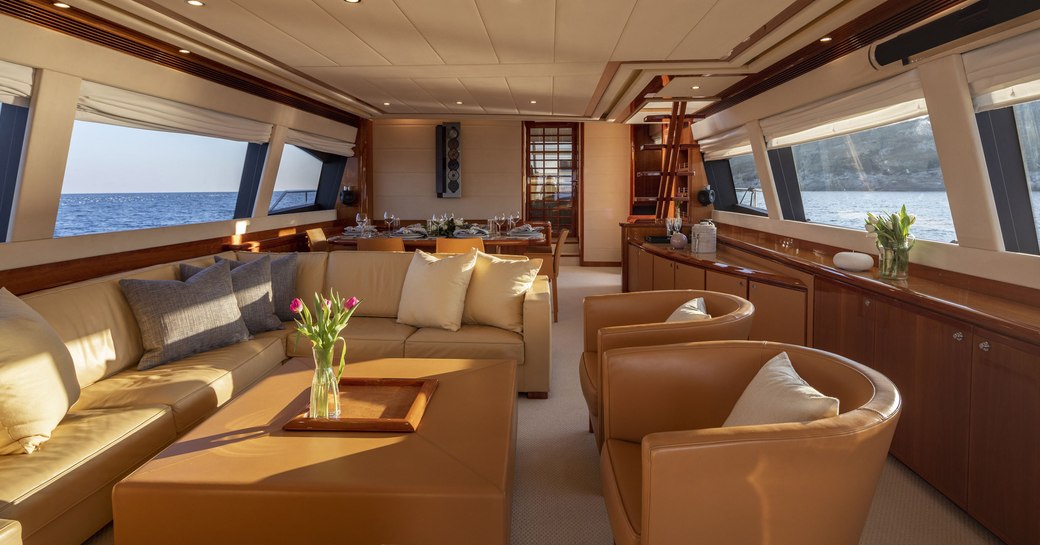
x: 557, y: 498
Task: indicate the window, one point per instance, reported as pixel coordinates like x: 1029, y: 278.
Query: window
x: 121, y: 178
x: 731, y: 171
x: 877, y: 170
x: 12, y: 133
x: 297, y: 183
x: 1027, y: 120
x: 746, y: 183
x: 553, y: 152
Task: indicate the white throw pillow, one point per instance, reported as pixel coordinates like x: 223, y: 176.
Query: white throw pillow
x: 37, y: 377
x: 693, y: 309
x: 777, y: 395
x: 434, y: 292
x: 496, y: 291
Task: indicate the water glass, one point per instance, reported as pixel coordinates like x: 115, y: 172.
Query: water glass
x: 362, y: 221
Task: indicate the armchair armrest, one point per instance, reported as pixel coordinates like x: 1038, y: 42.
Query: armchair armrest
x: 619, y: 309
x: 10, y: 532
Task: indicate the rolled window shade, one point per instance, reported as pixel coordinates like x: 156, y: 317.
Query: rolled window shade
x: 322, y: 143
x: 890, y: 101
x: 15, y: 84
x: 1004, y: 73
x: 726, y: 144
x: 104, y: 104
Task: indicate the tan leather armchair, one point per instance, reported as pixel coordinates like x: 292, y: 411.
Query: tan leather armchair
x: 10, y: 532
x: 672, y: 475
x: 638, y: 319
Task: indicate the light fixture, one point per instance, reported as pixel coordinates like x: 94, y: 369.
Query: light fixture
x: 695, y: 87
x: 534, y: 102
x: 386, y: 104
x: 62, y: 5
x: 352, y: 1
x: 459, y: 102
x: 184, y: 51
x: 196, y: 3
x: 825, y: 39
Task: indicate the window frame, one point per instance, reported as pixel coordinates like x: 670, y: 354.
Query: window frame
x: 720, y: 176
x: 1001, y: 147
x: 577, y: 173
x: 13, y: 123
x: 785, y: 180
x: 333, y: 168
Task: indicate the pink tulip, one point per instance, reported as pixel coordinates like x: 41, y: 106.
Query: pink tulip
x: 352, y: 302
x: 296, y: 305
x: 328, y: 303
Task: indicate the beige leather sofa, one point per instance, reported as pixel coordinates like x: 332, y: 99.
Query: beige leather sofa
x: 61, y: 494
x: 671, y: 474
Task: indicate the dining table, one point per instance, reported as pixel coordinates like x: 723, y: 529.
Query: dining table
x: 503, y: 244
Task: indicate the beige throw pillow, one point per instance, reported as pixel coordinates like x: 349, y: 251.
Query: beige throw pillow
x: 434, y: 291
x: 496, y: 291
x: 693, y: 309
x: 777, y: 395
x: 37, y: 377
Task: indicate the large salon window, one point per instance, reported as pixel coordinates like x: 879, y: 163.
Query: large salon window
x: 15, y: 90
x: 1027, y: 120
x: 746, y: 183
x: 730, y: 167
x: 297, y: 183
x: 311, y: 171
x: 120, y: 178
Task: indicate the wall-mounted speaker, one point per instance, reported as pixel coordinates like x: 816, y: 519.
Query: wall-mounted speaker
x: 448, y: 169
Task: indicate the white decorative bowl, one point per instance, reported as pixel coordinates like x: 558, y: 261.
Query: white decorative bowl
x: 853, y: 261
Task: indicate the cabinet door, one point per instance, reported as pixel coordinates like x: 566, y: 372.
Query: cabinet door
x: 726, y: 283
x: 779, y: 313
x: 1004, y: 444
x: 632, y: 267
x: 929, y: 360
x: 688, y: 277
x: 645, y: 276
x: 843, y: 321
x: 664, y: 273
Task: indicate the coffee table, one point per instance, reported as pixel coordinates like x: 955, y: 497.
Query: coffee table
x: 239, y: 478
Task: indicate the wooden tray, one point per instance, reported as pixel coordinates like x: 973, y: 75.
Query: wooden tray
x: 373, y: 404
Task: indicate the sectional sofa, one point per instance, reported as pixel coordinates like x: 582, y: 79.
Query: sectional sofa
x: 61, y: 494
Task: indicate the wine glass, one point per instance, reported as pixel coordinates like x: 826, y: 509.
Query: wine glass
x: 500, y: 219
x: 514, y: 218
x: 388, y: 217
x: 362, y: 221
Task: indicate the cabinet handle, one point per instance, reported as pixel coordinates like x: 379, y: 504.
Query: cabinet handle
x: 958, y: 336
x: 984, y: 346
x: 866, y: 302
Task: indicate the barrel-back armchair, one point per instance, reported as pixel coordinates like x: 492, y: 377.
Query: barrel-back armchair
x: 672, y: 474
x: 638, y: 319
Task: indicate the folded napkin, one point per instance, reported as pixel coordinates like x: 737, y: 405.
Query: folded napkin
x: 471, y: 232
x: 525, y: 229
x: 358, y: 229
x: 416, y: 229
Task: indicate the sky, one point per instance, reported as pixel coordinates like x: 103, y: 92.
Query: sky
x: 112, y: 159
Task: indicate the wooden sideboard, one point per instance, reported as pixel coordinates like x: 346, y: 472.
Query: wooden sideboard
x: 963, y: 351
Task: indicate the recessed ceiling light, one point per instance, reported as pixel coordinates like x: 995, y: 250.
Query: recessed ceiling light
x: 62, y: 5
x: 825, y: 39
x: 695, y: 87
x: 353, y: 1
x: 534, y: 102
x: 185, y: 51
x: 459, y: 102
x: 386, y: 104
x: 196, y: 3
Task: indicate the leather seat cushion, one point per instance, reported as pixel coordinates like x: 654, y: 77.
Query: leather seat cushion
x: 588, y: 372
x: 194, y: 386
x: 470, y: 341
x: 367, y: 339
x: 622, y: 473
x: 89, y: 451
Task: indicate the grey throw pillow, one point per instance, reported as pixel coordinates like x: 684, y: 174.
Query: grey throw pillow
x: 252, y: 284
x: 283, y: 283
x: 178, y: 319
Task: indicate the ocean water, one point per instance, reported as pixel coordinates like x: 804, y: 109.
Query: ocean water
x: 85, y: 213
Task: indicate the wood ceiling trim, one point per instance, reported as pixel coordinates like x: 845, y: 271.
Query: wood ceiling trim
x: 88, y: 27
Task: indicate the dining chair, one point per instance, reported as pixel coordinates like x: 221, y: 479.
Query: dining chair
x: 458, y: 245
x: 551, y: 268
x: 380, y: 244
x: 316, y: 240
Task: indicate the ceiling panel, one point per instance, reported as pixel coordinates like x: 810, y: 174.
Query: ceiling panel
x: 454, y: 29
x: 492, y: 94
x: 657, y: 26
x: 528, y: 88
x: 571, y: 94
x: 725, y: 27
x: 709, y: 86
x: 522, y: 31
x: 316, y: 28
x: 588, y: 30
x: 450, y: 91
x: 385, y: 28
x: 410, y: 93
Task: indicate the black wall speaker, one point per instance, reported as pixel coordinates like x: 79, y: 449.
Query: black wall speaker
x: 706, y: 196
x: 448, y: 169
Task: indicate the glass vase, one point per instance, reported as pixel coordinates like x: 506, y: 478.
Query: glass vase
x: 894, y: 259
x: 324, y: 386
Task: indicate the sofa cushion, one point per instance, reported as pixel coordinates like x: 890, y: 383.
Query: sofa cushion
x: 374, y: 277
x: 496, y: 291
x: 252, y: 285
x: 182, y: 318
x: 194, y: 386
x: 470, y: 341
x: 367, y: 339
x: 434, y: 292
x: 310, y: 275
x: 89, y: 451
x: 283, y: 282
x: 37, y: 377
x: 777, y: 395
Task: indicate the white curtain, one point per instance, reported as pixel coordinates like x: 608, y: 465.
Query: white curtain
x: 890, y: 101
x: 15, y: 84
x: 727, y: 144
x: 1004, y: 73
x: 103, y: 104
x: 322, y: 143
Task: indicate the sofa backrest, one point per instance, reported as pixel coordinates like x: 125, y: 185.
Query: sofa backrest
x: 310, y: 271
x: 94, y: 319
x: 376, y: 278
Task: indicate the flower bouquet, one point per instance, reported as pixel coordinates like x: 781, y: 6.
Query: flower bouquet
x: 893, y: 240
x: 323, y: 327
